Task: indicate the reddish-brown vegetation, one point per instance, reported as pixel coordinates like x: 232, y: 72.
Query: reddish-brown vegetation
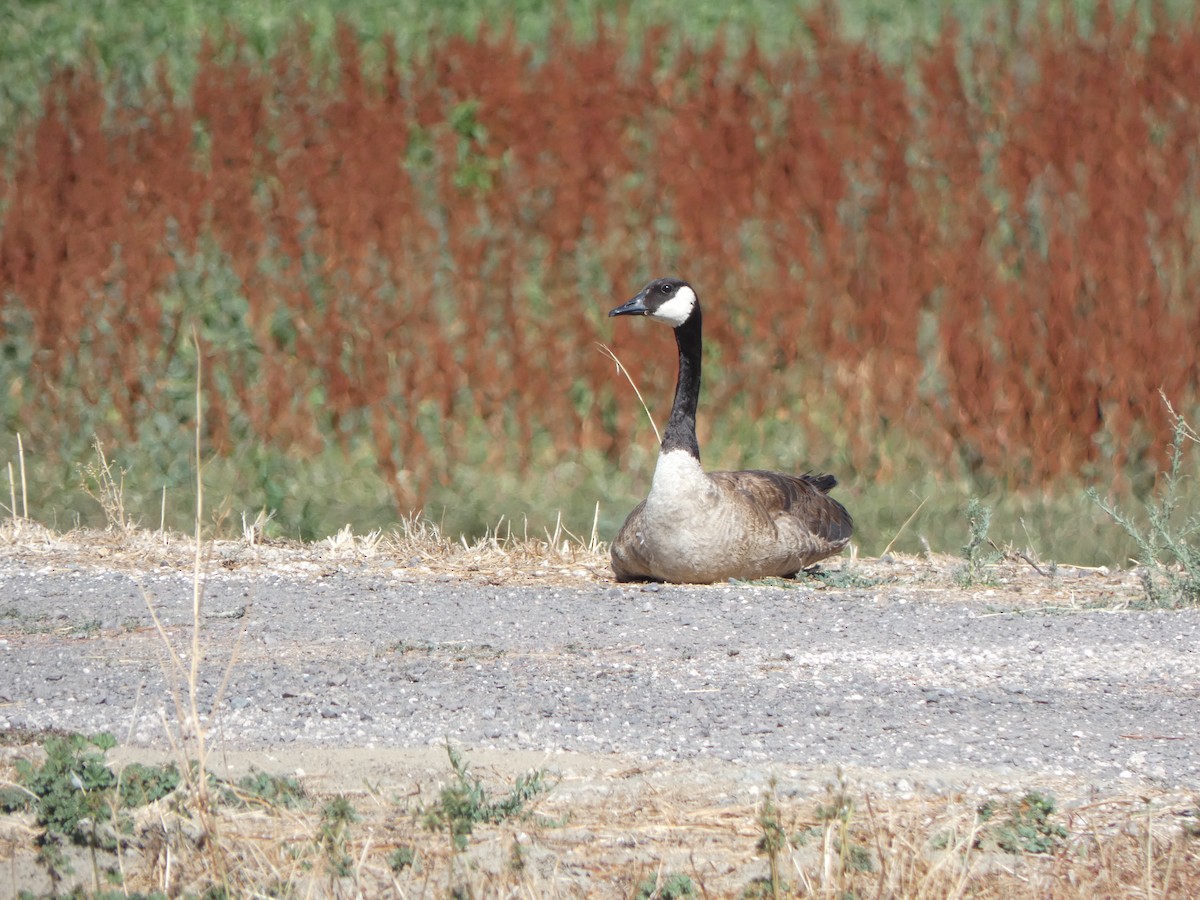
x: 990, y: 253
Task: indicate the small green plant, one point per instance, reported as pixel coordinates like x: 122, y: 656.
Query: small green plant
x: 16, y: 621
x: 1021, y: 826
x: 773, y: 843
x: 72, y: 787
x: 333, y: 836
x: 858, y: 858
x: 1169, y: 551
x: 14, y: 799
x: 274, y: 790
x: 476, y: 169
x: 760, y: 889
x: 845, y: 578
x: 666, y: 887
x: 835, y: 817
x: 403, y: 857
x: 464, y: 803
x: 141, y: 784
x: 87, y: 628
x: 974, y: 551
x: 78, y: 799
x: 839, y: 806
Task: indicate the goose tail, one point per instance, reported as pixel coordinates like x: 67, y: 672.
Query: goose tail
x: 822, y: 482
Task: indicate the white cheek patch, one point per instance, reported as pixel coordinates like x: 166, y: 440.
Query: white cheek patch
x: 676, y: 310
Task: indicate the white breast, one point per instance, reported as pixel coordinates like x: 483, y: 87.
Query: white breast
x: 681, y: 527
x: 679, y: 483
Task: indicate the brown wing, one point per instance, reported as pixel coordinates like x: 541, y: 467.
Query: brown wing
x: 804, y: 498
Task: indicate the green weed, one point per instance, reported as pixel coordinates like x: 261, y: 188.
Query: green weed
x: 760, y: 889
x: 141, y: 784
x: 72, y: 786
x: 975, y: 552
x: 474, y: 167
x: 1168, y: 550
x: 666, y: 887
x: 845, y: 578
x: 402, y: 858
x: 333, y: 837
x: 280, y: 791
x: 20, y: 623
x: 1021, y: 826
x: 77, y: 799
x: 465, y: 803
x: 773, y: 843
x: 836, y: 816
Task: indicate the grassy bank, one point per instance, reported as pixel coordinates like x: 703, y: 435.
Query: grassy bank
x: 316, y: 497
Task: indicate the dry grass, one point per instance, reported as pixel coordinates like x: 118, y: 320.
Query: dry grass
x: 605, y: 837
x: 418, y: 550
x: 415, y: 549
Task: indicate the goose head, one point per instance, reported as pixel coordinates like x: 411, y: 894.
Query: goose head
x: 668, y: 300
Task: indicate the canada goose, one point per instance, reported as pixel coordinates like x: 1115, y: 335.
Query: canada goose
x: 703, y: 527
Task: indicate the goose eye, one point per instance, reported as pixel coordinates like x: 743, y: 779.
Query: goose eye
x: 664, y: 288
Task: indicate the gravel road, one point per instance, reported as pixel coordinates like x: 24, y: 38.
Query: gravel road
x: 905, y: 675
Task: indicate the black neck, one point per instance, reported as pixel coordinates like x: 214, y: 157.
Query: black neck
x: 681, y: 428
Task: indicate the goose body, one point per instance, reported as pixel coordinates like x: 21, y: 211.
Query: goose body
x: 700, y: 527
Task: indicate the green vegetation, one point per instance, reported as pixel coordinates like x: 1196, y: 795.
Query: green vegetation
x: 130, y: 41
x: 280, y: 791
x: 37, y: 37
x: 1021, y: 826
x: 333, y: 837
x: 849, y: 845
x: 402, y: 858
x: 1167, y: 546
x: 141, y: 784
x: 773, y: 844
x: 77, y: 799
x: 71, y: 787
x: 666, y: 886
x: 465, y: 803
x: 978, y: 550
x: 837, y: 816
x: 340, y: 486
